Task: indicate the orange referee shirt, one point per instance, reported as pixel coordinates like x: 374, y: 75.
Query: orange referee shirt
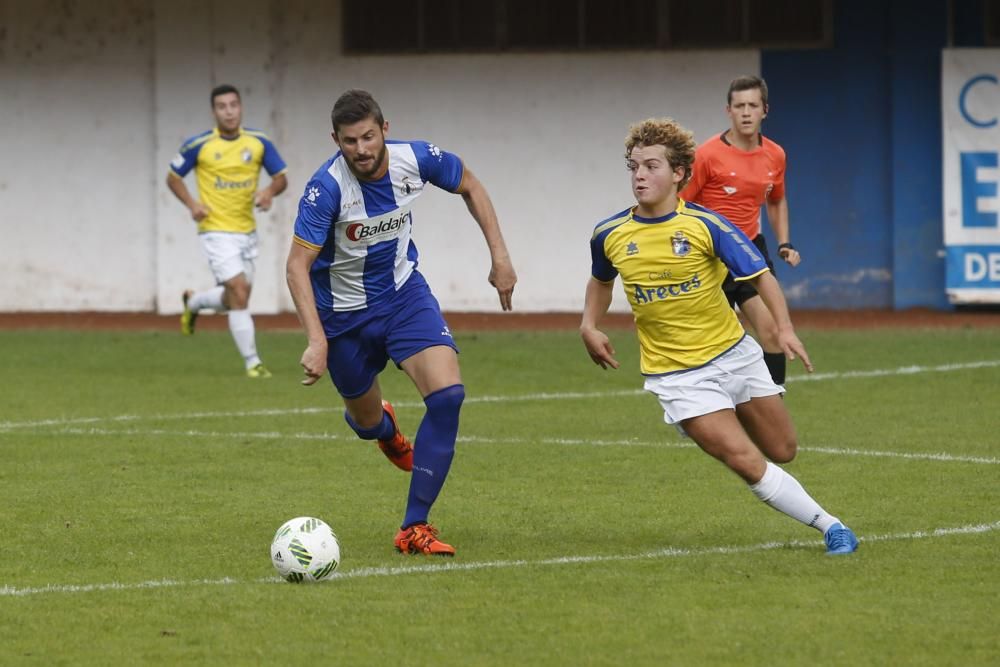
x: 735, y: 182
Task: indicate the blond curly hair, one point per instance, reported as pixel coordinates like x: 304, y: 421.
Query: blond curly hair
x: 678, y: 142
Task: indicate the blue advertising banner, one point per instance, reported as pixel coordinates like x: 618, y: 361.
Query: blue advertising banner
x: 970, y: 95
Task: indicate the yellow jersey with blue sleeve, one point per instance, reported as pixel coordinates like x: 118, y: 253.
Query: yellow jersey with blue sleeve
x: 672, y: 270
x: 227, y: 171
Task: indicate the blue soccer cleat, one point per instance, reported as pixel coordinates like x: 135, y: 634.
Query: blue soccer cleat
x: 840, y: 540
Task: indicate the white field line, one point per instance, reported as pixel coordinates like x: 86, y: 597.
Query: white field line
x: 452, y: 566
x: 902, y: 370
x: 472, y: 439
x: 542, y: 396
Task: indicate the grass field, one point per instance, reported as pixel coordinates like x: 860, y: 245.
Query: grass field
x: 143, y: 478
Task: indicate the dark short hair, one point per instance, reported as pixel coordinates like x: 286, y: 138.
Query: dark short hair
x: 354, y: 106
x: 748, y: 82
x: 223, y: 90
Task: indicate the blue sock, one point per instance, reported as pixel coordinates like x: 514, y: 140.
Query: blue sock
x: 383, y: 431
x: 433, y: 450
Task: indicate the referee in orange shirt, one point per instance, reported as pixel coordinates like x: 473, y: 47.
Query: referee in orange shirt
x: 734, y: 174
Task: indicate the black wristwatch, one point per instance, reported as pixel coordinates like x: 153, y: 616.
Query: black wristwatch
x: 782, y: 246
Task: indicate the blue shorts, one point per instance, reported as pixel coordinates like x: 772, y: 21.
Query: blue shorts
x: 409, y: 323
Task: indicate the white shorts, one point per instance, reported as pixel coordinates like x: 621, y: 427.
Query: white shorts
x: 230, y: 254
x: 730, y: 379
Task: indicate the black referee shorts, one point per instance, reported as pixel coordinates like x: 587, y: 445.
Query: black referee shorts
x: 739, y: 292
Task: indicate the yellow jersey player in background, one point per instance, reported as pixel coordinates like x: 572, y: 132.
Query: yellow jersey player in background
x: 708, y: 375
x: 227, y: 161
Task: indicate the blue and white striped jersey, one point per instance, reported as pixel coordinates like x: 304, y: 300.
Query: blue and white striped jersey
x: 362, y: 229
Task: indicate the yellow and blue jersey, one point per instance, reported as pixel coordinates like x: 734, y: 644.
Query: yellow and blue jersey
x: 672, y: 270
x: 227, y: 171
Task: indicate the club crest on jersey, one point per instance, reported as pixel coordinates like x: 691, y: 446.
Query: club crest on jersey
x: 680, y: 244
x: 246, y: 155
x: 405, y: 187
x: 632, y: 249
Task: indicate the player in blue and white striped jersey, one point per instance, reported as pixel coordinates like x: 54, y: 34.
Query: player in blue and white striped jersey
x: 352, y: 272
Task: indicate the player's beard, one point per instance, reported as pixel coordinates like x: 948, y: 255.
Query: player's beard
x: 376, y: 164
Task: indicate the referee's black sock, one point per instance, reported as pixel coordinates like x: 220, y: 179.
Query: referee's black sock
x: 776, y: 366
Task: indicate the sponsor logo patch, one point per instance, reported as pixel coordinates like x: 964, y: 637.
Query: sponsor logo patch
x: 232, y: 185
x: 378, y: 229
x: 643, y: 295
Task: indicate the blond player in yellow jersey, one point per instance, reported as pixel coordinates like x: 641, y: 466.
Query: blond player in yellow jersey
x: 708, y: 375
x: 227, y: 161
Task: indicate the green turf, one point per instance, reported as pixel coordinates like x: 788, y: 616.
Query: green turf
x: 143, y: 477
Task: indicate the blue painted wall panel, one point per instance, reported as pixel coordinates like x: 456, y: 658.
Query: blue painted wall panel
x: 861, y: 123
x: 830, y: 111
x: 916, y: 39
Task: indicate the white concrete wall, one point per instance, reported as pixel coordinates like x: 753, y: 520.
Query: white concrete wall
x: 77, y: 174
x: 543, y: 132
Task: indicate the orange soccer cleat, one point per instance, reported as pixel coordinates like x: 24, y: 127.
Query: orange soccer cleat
x: 421, y: 538
x: 398, y: 449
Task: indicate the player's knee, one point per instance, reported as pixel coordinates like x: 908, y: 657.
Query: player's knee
x: 447, y: 399
x: 237, y: 293
x: 784, y: 451
x: 746, y: 464
x: 237, y: 298
x: 445, y: 404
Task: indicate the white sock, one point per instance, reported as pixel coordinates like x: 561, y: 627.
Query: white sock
x: 784, y: 493
x: 210, y: 299
x: 241, y: 326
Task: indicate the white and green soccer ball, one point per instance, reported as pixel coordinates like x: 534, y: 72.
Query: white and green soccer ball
x: 305, y: 549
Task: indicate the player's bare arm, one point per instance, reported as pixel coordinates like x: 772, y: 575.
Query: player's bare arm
x: 596, y: 303
x: 770, y: 292
x: 198, y: 210
x: 777, y: 214
x: 300, y: 259
x: 502, y: 275
x: 265, y: 197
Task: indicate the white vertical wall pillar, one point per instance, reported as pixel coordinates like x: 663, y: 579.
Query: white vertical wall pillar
x: 183, y: 77
x: 230, y: 42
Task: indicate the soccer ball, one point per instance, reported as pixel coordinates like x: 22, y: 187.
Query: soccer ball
x: 305, y: 549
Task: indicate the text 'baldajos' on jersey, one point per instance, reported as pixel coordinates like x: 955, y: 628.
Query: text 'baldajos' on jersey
x: 362, y: 228
x: 672, y: 274
x: 227, y: 171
